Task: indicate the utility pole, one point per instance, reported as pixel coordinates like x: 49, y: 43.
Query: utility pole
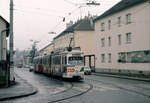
x: 11, y: 43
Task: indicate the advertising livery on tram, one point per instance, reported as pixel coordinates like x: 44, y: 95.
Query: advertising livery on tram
x: 64, y: 63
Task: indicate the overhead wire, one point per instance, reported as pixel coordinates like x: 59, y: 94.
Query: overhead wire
x: 38, y: 8
x: 36, y: 12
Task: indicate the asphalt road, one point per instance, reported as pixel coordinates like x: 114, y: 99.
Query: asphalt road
x: 94, y: 89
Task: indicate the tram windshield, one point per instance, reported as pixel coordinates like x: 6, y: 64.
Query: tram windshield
x: 75, y: 60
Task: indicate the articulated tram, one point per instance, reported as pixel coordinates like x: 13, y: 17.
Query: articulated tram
x: 66, y: 64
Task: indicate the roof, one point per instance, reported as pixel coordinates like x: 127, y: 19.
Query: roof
x: 7, y: 24
x: 68, y: 30
x: 81, y: 25
x: 45, y: 47
x: 123, y: 4
x: 85, y: 25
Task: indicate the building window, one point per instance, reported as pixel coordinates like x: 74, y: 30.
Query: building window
x: 109, y: 58
x: 102, y: 26
x: 119, y: 39
x: 109, y: 41
x: 109, y: 24
x: 102, y: 58
x: 119, y: 21
x: 128, y: 38
x: 102, y: 42
x: 128, y: 18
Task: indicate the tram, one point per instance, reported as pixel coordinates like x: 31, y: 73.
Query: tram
x: 65, y: 64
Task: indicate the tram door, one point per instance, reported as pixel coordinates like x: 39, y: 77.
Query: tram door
x: 64, y: 63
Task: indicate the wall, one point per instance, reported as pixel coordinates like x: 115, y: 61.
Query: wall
x: 85, y: 40
x: 63, y: 41
x: 140, y: 38
x: 3, y: 41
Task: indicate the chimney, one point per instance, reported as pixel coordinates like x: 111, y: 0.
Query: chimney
x: 69, y: 24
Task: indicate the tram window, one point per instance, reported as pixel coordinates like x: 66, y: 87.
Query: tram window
x: 49, y: 60
x: 64, y: 60
x: 57, y: 60
x: 40, y: 61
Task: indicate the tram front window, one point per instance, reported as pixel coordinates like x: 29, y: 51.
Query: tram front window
x: 76, y: 60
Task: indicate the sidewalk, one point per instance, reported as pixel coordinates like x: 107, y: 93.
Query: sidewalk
x: 20, y: 89
x: 122, y: 76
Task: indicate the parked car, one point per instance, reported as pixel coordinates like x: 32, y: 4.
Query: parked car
x: 19, y: 65
x: 30, y: 68
x: 27, y: 66
x: 87, y: 70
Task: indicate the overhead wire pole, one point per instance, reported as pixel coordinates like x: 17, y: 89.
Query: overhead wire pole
x: 11, y: 43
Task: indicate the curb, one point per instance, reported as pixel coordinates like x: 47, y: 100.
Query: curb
x: 19, y: 96
x: 122, y: 77
x: 34, y: 91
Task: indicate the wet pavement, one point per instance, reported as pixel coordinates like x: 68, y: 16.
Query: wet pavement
x: 94, y: 89
x: 20, y: 89
x: 114, y: 90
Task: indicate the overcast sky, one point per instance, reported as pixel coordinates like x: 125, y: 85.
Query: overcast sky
x: 33, y: 19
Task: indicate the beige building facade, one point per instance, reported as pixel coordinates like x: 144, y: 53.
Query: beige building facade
x: 84, y: 37
x: 47, y: 49
x: 79, y: 35
x: 123, y: 38
x: 63, y: 40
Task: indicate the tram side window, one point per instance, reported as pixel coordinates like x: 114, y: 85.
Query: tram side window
x: 64, y: 60
x: 49, y: 61
x: 57, y: 60
x: 40, y: 61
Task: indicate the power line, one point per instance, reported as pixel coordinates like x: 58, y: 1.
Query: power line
x: 37, y: 12
x: 37, y: 8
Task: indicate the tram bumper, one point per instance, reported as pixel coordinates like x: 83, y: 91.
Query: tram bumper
x: 74, y: 75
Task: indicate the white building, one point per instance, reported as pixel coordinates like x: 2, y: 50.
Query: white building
x: 123, y: 38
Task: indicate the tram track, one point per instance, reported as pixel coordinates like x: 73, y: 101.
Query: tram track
x: 122, y: 88
x: 75, y: 95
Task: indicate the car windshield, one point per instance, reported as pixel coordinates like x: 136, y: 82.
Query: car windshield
x: 87, y: 68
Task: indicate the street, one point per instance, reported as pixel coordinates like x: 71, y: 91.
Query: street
x: 94, y: 89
